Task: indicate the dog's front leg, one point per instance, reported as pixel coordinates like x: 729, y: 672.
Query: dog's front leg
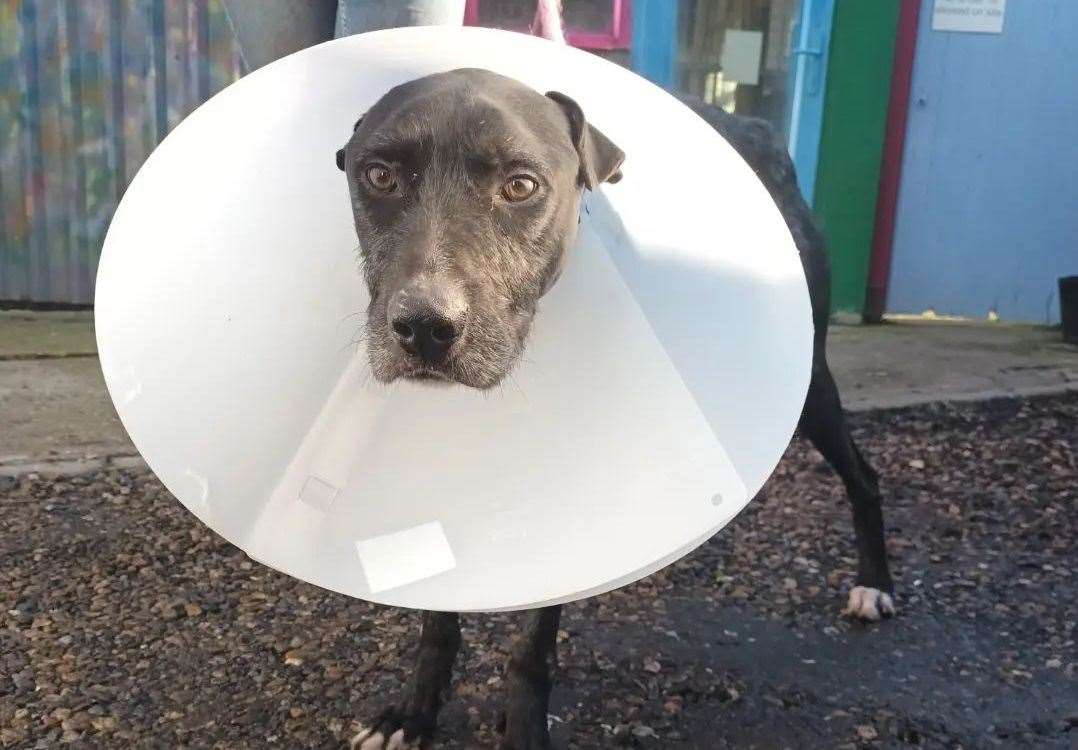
x: 532, y: 658
x: 411, y: 723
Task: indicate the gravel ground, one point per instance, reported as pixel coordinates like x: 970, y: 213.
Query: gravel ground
x: 125, y: 622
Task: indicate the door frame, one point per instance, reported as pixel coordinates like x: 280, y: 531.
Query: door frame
x: 807, y: 89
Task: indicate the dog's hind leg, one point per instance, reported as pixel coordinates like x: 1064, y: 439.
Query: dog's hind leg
x: 413, y: 721
x: 823, y: 422
x: 532, y: 658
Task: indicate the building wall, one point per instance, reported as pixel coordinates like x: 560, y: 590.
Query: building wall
x: 851, y: 142
x: 988, y: 205
x: 87, y: 89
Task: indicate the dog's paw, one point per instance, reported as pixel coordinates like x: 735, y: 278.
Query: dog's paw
x: 377, y: 739
x: 530, y: 731
x: 869, y: 604
x: 391, y: 731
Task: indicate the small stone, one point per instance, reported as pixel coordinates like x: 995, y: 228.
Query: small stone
x: 61, y: 714
x: 77, y: 722
x: 9, y: 737
x: 867, y: 732
x: 104, y: 723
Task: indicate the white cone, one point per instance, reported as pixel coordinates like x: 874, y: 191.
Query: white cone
x: 661, y: 383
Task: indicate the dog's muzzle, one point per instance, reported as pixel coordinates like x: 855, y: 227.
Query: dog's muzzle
x: 427, y: 323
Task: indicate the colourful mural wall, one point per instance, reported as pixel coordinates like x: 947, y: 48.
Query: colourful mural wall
x: 87, y: 90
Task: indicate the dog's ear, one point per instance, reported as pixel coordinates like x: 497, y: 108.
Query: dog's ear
x: 340, y: 151
x: 600, y: 159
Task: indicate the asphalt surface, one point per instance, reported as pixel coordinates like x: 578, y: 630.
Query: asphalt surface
x: 126, y: 623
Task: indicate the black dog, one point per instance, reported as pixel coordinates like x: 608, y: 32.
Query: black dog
x: 465, y: 189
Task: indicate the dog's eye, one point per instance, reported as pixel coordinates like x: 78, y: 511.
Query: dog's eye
x: 381, y: 178
x: 519, y: 187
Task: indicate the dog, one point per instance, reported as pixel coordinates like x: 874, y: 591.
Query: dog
x: 465, y: 189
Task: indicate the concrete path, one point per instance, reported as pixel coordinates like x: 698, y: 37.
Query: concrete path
x: 54, y: 407
x: 914, y: 361
x: 53, y: 404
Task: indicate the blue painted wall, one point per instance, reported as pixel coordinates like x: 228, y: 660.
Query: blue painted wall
x: 988, y: 206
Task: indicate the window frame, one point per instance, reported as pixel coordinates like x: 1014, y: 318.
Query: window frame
x: 617, y: 36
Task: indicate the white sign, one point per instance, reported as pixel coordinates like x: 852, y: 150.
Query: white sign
x: 741, y: 56
x: 981, y: 16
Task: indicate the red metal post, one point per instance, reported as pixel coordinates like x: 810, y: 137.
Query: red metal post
x: 879, y: 270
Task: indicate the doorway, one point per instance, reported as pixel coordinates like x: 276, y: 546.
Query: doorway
x: 761, y: 58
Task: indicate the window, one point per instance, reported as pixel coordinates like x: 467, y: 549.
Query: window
x: 589, y: 24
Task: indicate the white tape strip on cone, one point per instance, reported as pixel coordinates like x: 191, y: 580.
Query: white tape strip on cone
x: 226, y: 319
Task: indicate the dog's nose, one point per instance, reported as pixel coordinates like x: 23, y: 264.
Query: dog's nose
x: 425, y: 334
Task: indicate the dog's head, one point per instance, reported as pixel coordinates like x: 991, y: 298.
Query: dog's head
x: 465, y: 189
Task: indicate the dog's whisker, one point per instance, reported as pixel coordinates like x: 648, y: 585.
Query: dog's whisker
x: 512, y: 378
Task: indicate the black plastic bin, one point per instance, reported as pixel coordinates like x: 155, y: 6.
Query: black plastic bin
x: 1068, y: 308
